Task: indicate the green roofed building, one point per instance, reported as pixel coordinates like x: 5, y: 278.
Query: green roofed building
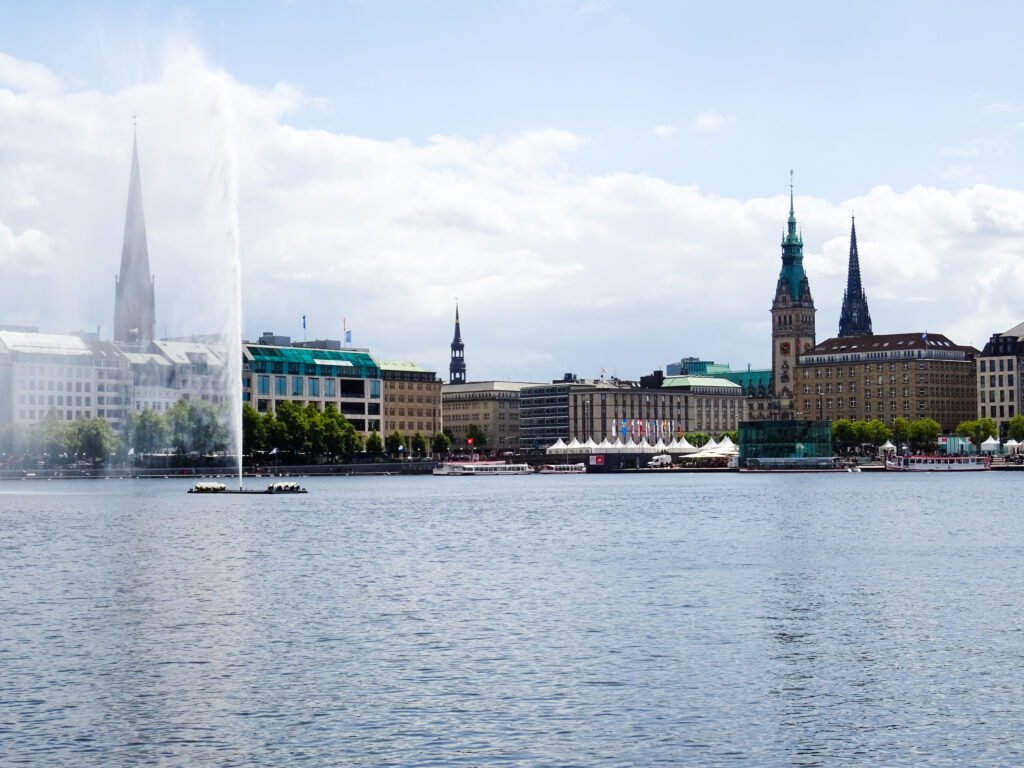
x: 348, y: 379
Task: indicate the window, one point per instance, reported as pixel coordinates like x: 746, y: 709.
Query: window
x: 314, y: 387
x: 329, y: 388
x: 263, y: 385
x: 280, y: 385
x: 982, y: 369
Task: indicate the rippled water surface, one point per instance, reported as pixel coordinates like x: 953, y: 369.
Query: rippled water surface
x: 578, y: 621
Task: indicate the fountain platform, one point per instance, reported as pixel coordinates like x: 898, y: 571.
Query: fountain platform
x: 272, y: 489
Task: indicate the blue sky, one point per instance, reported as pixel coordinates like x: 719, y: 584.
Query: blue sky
x: 608, y: 146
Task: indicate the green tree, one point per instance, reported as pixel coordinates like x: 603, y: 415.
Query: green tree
x: 977, y: 430
x: 150, y: 432
x: 340, y: 436
x: 56, y: 438
x: 924, y: 434
x: 876, y: 432
x: 441, y: 444
x: 697, y: 439
x: 277, y: 434
x: 477, y: 435
x: 1015, y: 429
x: 296, y: 427
x: 395, y: 444
x: 93, y: 439
x: 197, y: 426
x: 900, y: 432
x: 844, y: 434
x: 315, y: 435
x: 374, y: 445
x: 418, y: 445
x: 254, y: 430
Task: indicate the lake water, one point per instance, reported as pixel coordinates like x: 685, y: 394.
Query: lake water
x: 866, y: 619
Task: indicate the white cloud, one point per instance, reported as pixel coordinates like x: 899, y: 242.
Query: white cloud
x: 663, y: 131
x: 594, y: 7
x: 711, y: 120
x: 555, y: 271
x: 971, y: 148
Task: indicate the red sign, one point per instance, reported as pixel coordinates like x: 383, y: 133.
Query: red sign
x: 469, y: 441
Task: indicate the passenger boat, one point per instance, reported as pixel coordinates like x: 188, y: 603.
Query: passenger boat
x: 562, y: 469
x: 799, y: 464
x: 938, y: 463
x: 487, y: 468
x: 281, y: 486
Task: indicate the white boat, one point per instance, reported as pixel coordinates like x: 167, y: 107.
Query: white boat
x: 938, y: 463
x: 562, y: 469
x: 488, y: 468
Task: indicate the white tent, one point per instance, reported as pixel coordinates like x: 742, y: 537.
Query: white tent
x: 574, y: 446
x: 683, y: 446
x: 604, y: 445
x: 727, y: 444
x: 590, y: 445
x: 991, y: 444
x: 618, y: 445
x: 1012, y: 445
x: 887, y: 447
x: 629, y: 447
x: 556, y: 447
x: 660, y: 447
x: 709, y: 445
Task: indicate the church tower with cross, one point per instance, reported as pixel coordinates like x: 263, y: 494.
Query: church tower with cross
x: 134, y: 295
x: 457, y: 368
x: 854, y: 319
x: 792, y: 319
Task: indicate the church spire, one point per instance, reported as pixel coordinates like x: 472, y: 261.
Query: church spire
x: 854, y: 319
x: 134, y: 302
x: 457, y: 368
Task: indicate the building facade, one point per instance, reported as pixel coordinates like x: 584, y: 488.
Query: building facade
x: 655, y: 408
x: 885, y: 377
x: 999, y: 396
x: 412, y: 399
x: 44, y: 375
x: 491, y: 405
x: 348, y: 379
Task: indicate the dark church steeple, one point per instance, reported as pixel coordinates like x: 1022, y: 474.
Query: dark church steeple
x: 854, y: 320
x: 134, y: 300
x: 457, y: 369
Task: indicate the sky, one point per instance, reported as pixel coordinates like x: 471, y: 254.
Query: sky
x: 602, y: 184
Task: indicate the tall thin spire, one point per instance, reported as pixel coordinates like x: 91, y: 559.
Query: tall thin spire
x: 134, y: 302
x: 854, y: 319
x: 457, y: 368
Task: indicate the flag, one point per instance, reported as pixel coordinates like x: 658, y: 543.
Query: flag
x: 303, y: 322
x: 131, y: 451
x: 273, y: 452
x: 348, y: 337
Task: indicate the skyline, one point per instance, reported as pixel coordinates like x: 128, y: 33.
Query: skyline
x: 579, y: 228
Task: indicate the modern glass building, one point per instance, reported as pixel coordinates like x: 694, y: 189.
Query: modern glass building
x: 785, y: 440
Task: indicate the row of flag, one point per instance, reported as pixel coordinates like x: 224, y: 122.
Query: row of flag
x: 348, y: 333
x: 653, y: 428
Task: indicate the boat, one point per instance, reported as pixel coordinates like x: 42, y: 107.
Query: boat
x: 281, y: 486
x: 562, y: 469
x: 487, y: 468
x: 800, y: 464
x: 938, y: 463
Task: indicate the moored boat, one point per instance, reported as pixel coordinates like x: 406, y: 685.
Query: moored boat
x: 938, y: 463
x: 562, y: 469
x: 481, y: 468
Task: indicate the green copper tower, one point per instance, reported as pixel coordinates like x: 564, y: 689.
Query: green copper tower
x: 792, y: 323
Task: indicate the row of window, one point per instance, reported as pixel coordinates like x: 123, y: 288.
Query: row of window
x: 992, y: 396
x: 1005, y: 412
x: 993, y: 378
x: 992, y: 365
x: 59, y: 400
